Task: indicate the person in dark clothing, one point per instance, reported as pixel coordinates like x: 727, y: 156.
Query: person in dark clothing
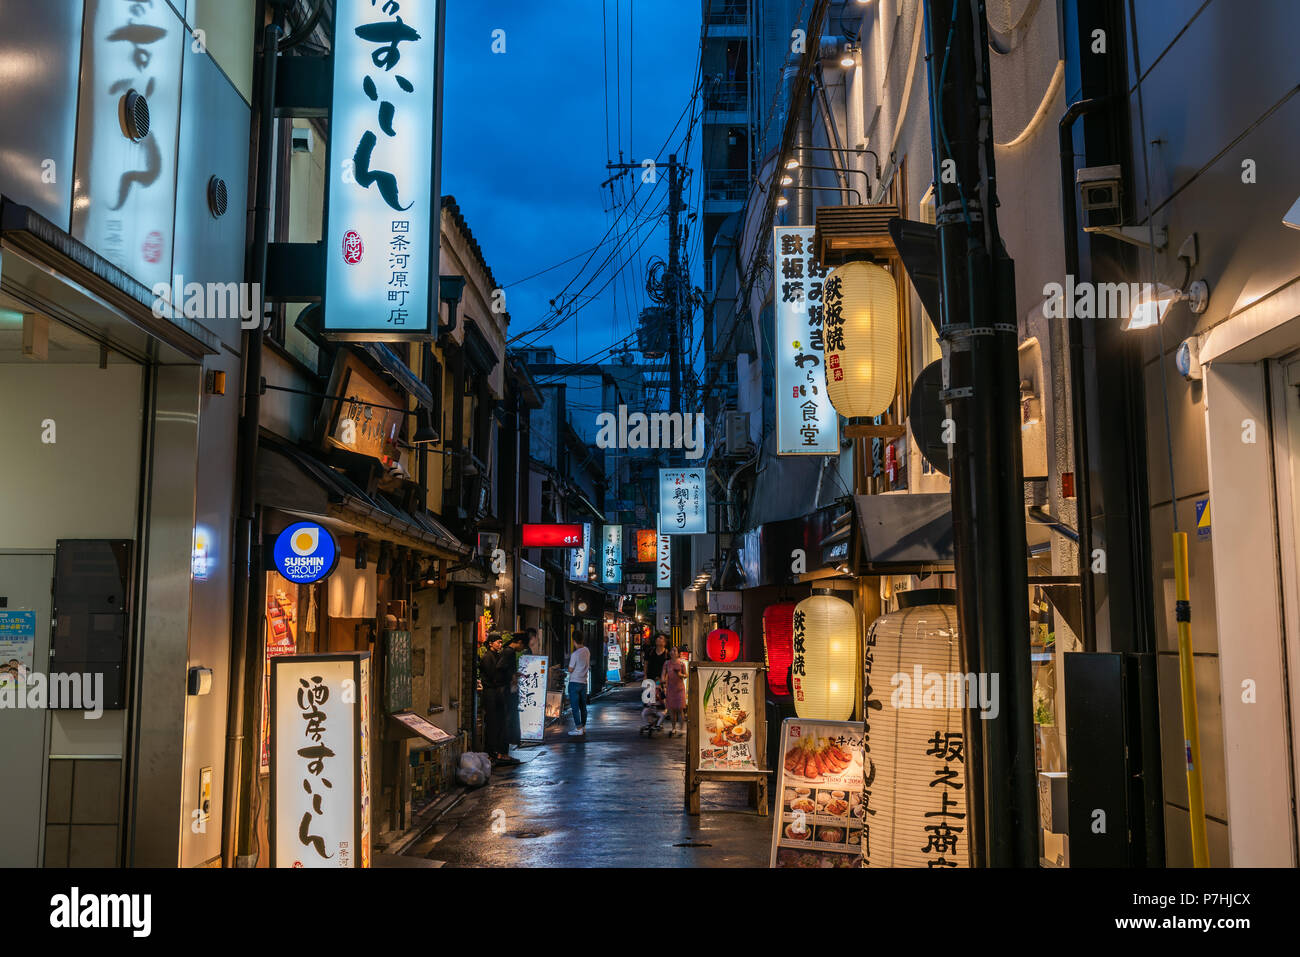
x: 654, y: 662
x: 494, y: 699
x: 509, y: 666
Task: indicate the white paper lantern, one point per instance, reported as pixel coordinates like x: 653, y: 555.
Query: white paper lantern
x: 825, y: 658
x: 915, y: 757
x: 860, y: 323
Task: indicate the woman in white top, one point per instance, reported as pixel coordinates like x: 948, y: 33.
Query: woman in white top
x: 579, y: 663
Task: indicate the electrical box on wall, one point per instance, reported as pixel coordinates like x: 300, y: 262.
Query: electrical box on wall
x: 92, y: 615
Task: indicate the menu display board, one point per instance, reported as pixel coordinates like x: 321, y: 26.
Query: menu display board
x: 820, y: 787
x: 728, y: 705
x: 532, y: 697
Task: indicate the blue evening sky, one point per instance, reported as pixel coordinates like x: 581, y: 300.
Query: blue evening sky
x: 524, y: 150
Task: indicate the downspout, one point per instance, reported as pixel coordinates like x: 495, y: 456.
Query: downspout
x: 1078, y: 403
x: 240, y: 773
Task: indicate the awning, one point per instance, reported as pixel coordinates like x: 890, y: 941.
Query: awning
x: 903, y: 532
x: 291, y: 480
x: 45, y: 268
x: 391, y: 363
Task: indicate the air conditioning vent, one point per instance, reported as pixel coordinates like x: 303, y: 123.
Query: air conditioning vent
x: 218, y: 197
x: 135, y: 116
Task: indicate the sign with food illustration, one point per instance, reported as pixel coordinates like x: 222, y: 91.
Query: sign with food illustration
x: 727, y: 707
x: 820, y: 824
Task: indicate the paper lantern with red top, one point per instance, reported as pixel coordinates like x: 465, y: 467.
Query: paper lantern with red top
x: 778, y: 645
x: 723, y: 645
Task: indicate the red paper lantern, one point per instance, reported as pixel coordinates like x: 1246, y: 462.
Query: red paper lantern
x: 778, y: 645
x: 723, y: 644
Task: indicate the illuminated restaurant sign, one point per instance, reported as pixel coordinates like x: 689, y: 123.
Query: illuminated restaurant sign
x: 683, y: 502
x: 383, y: 208
x: 806, y: 422
x: 551, y: 536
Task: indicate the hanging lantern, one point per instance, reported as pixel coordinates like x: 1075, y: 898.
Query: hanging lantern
x: 825, y: 658
x: 915, y: 796
x: 861, y: 344
x: 723, y: 645
x: 778, y: 645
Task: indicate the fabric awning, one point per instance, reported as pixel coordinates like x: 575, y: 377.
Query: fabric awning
x: 292, y: 480
x: 903, y: 532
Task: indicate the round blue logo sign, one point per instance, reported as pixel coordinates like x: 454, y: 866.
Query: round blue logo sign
x: 305, y: 553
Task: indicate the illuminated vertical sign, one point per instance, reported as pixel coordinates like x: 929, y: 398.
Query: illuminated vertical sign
x: 611, y: 555
x: 320, y: 768
x: 579, y: 557
x: 384, y: 209
x: 683, y: 502
x: 664, y: 563
x: 806, y: 422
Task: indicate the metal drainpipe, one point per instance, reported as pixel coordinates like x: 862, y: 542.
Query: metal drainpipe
x: 240, y: 778
x: 1078, y: 403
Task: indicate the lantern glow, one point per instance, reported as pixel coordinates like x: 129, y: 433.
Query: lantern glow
x: 723, y: 645
x: 861, y: 328
x: 778, y: 645
x: 825, y: 642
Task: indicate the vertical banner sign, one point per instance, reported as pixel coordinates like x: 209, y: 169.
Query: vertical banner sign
x: 611, y: 556
x: 647, y: 545
x: 683, y: 502
x: 664, y: 578
x: 384, y: 210
x: 822, y: 809
x: 806, y: 422
x: 728, y: 707
x: 320, y: 770
x: 532, y: 697
x: 579, y: 557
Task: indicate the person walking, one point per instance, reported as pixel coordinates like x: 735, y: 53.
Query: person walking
x: 654, y: 664
x: 674, y: 680
x: 579, y: 665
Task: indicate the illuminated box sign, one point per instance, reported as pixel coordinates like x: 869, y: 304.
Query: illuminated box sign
x: 806, y: 422
x: 664, y: 562
x: 305, y: 552
x: 683, y: 502
x: 383, y: 207
x: 611, y: 555
x: 647, y: 545
x: 320, y: 760
x: 578, y: 557
x: 552, y: 536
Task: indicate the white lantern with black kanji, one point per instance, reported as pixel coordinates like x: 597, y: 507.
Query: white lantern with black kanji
x: 914, y: 798
x: 823, y: 673
x: 860, y: 322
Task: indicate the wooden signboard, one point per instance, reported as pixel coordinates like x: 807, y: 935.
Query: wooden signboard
x: 726, y: 729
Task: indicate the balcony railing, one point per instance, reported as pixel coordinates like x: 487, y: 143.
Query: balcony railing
x: 727, y: 12
x: 726, y: 184
x: 727, y: 95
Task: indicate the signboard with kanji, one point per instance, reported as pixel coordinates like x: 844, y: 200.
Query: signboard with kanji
x: 532, y: 697
x: 383, y: 205
x: 683, y: 502
x: 726, y: 729
x: 822, y: 819
x: 806, y: 422
x: 320, y: 769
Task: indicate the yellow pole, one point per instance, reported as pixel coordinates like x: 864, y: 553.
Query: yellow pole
x: 1187, y: 682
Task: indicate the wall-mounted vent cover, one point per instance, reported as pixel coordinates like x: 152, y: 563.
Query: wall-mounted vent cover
x: 218, y: 197
x: 135, y: 116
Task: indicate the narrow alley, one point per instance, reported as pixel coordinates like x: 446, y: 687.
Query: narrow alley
x: 611, y: 799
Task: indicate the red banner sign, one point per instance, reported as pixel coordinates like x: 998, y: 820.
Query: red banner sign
x: 552, y: 536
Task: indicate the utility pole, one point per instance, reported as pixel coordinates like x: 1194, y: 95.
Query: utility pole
x: 979, y: 338
x: 673, y: 297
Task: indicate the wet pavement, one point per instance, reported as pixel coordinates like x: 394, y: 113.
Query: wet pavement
x: 613, y: 799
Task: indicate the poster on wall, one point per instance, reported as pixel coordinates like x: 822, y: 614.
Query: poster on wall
x: 806, y: 422
x: 820, y: 791
x: 727, y: 708
x: 320, y: 767
x: 281, y: 640
x: 683, y: 502
x: 532, y: 697
x: 381, y: 277
x: 17, y: 646
x: 611, y: 555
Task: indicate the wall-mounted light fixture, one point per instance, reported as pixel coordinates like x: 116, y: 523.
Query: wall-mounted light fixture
x: 1153, y: 301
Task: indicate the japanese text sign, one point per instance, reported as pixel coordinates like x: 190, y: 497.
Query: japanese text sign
x: 683, y: 502
x: 806, y: 422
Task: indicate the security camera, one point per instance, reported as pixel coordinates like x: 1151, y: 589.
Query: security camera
x: 1101, y: 193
